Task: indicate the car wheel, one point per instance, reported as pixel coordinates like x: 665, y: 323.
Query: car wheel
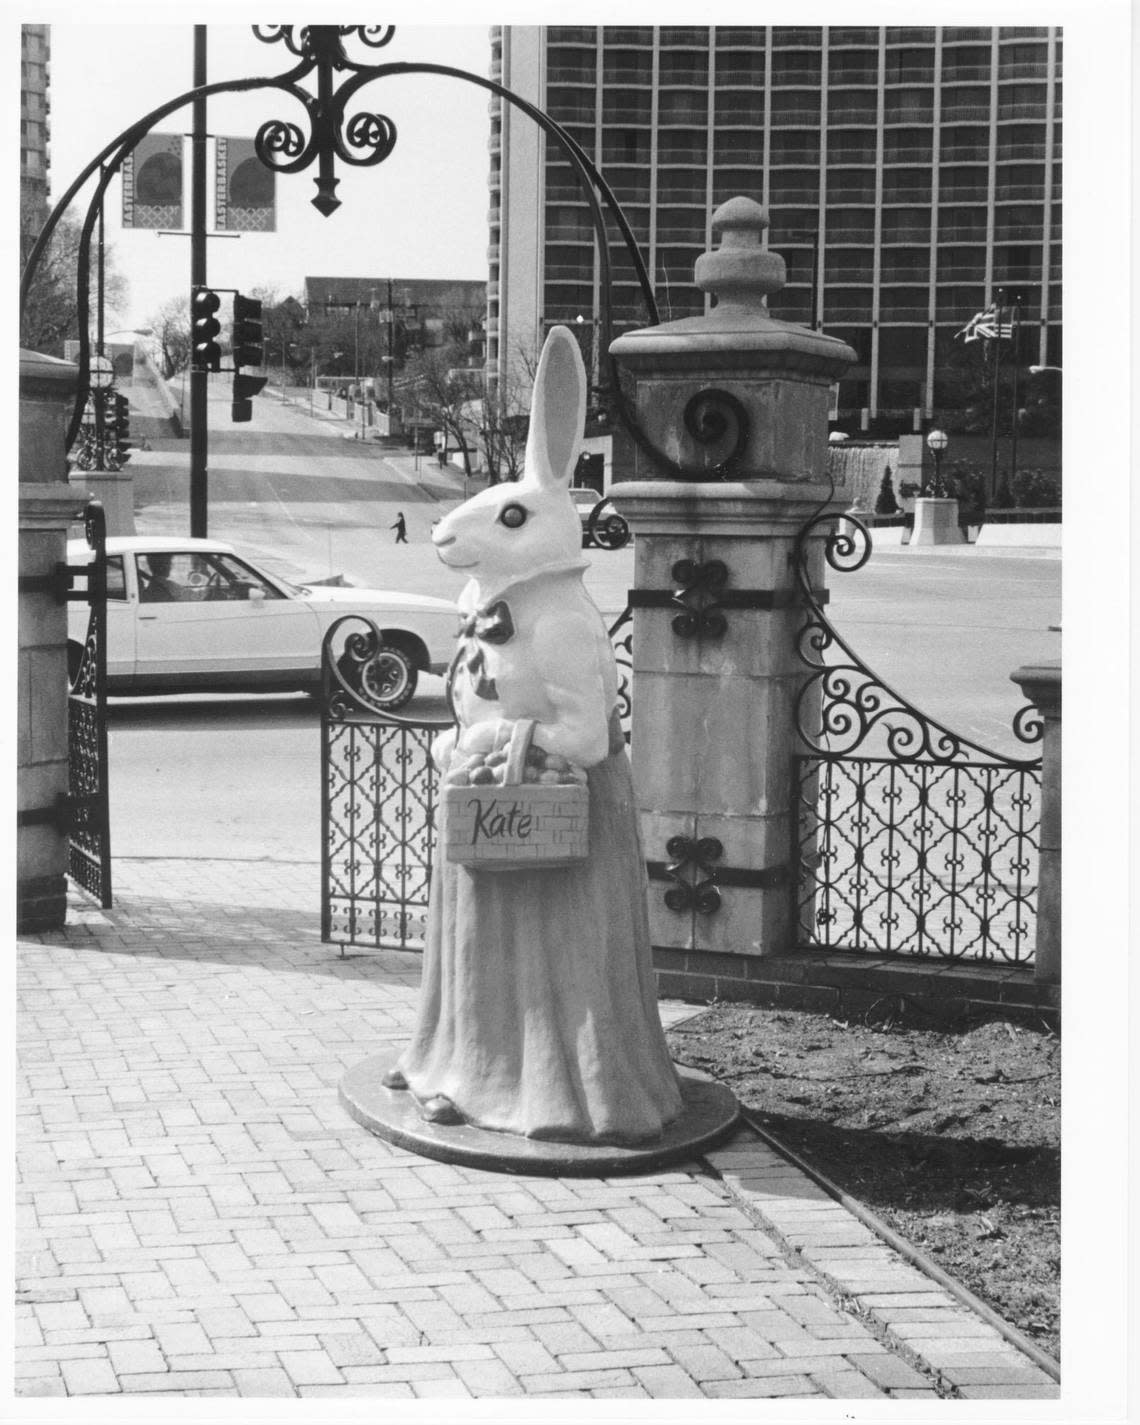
x: 617, y: 532
x: 389, y: 678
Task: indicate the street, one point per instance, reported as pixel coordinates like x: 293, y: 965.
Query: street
x: 239, y: 777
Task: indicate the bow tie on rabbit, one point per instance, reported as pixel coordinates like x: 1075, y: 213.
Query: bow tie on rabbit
x: 491, y: 625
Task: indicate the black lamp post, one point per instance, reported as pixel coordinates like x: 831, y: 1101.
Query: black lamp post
x: 101, y: 379
x: 936, y: 443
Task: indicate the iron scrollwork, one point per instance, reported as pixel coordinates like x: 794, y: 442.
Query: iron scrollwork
x: 348, y: 662
x: 844, y: 706
x: 605, y: 528
x: 702, y: 894
x: 705, y: 581
x: 710, y: 418
x: 363, y: 141
x: 88, y: 822
x: 621, y: 640
x: 912, y: 839
x: 378, y: 802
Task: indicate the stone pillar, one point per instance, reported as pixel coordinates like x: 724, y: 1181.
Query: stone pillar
x: 115, y: 491
x: 740, y: 402
x: 1041, y: 684
x: 935, y: 522
x: 47, y: 505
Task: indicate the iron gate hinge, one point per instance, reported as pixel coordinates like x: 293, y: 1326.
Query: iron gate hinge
x: 56, y: 584
x: 61, y: 813
x: 58, y: 814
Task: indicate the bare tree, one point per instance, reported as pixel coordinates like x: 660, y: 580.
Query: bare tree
x: 449, y: 392
x: 51, y: 312
x: 506, y: 419
x: 171, y: 327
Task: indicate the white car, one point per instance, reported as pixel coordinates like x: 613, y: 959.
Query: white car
x: 192, y: 615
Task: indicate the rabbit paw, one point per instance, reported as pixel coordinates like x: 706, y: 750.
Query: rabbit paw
x: 440, y: 1109
x: 442, y: 748
x: 485, y: 736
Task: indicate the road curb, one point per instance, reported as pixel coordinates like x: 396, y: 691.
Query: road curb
x: 909, y: 1253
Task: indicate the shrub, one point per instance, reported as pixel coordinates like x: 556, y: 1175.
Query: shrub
x: 1002, y: 497
x: 1034, y: 490
x: 886, y: 504
x: 967, y: 484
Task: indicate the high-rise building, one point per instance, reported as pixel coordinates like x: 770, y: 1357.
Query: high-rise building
x: 35, y: 55
x: 910, y: 174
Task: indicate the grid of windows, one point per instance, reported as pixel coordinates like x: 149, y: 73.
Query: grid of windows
x: 908, y: 172
x: 35, y: 130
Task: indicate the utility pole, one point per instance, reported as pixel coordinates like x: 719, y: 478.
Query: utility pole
x: 999, y: 311
x: 391, y: 352
x: 1015, y: 335
x: 199, y: 435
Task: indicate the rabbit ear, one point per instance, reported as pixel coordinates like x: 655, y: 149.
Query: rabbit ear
x: 557, y: 410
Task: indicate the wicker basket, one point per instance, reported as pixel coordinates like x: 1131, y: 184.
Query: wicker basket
x: 517, y: 826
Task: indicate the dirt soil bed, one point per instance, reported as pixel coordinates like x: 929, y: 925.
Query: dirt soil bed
x: 952, y: 1139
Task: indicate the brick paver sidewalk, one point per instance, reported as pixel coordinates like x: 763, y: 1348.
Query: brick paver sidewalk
x: 199, y: 1215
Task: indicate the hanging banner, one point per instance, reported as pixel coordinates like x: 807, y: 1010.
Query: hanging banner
x: 245, y: 190
x: 152, y: 183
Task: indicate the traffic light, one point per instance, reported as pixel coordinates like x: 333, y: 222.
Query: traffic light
x: 248, y: 351
x: 247, y: 344
x: 245, y: 387
x: 121, y: 426
x: 206, y: 354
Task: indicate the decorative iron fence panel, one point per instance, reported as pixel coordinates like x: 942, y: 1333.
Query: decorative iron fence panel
x: 379, y: 797
x: 379, y: 832
x: 89, y: 824
x: 911, y: 840
x: 918, y: 858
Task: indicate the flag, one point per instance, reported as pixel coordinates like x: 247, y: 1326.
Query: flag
x: 985, y: 325
x: 244, y: 189
x: 152, y: 182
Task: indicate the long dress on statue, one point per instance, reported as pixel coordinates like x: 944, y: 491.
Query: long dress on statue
x: 538, y: 1011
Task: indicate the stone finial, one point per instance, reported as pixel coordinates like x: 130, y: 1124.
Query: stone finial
x: 739, y: 271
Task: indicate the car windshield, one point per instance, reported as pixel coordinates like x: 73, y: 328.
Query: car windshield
x: 296, y: 582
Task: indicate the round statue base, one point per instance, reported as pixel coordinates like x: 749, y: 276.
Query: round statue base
x: 709, y: 1116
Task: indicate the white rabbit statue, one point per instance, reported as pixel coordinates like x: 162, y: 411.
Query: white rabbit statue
x: 538, y: 1013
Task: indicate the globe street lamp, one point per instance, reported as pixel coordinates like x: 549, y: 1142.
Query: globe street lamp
x: 100, y: 379
x: 936, y: 443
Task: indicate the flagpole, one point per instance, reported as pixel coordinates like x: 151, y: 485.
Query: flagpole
x: 999, y: 306
x: 1016, y: 335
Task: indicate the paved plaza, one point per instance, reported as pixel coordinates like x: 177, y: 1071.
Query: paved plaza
x: 198, y: 1215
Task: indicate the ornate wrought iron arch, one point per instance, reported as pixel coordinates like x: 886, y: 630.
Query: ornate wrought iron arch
x: 365, y: 140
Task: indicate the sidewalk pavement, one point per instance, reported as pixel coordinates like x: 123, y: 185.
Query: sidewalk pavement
x: 198, y: 1214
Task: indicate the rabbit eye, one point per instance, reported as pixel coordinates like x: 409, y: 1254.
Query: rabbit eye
x: 513, y: 516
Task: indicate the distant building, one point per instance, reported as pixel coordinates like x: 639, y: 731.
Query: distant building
x: 423, y: 308
x: 35, y: 129
x: 909, y: 173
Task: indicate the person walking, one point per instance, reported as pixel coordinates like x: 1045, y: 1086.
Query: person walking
x: 400, y: 527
